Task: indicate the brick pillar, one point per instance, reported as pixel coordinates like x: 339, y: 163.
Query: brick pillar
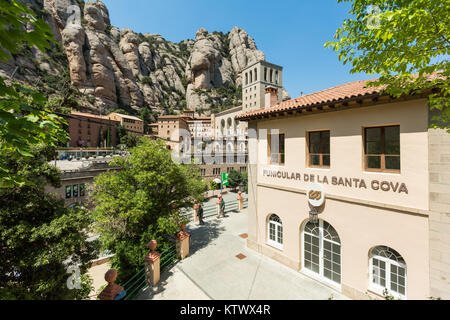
x: 196, y: 207
x: 240, y: 200
x: 112, y: 290
x: 152, y: 262
x: 183, y: 242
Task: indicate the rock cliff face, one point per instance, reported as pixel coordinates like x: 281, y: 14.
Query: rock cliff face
x: 114, y: 69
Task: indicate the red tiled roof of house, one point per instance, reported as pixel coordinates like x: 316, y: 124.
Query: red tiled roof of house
x: 126, y: 116
x: 356, y: 89
x: 90, y: 115
x: 178, y: 116
x: 230, y: 110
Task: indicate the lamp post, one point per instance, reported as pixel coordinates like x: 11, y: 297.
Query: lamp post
x: 314, y: 215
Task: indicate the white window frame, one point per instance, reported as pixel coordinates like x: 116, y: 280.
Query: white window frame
x: 374, y: 287
x: 277, y: 225
x: 319, y: 276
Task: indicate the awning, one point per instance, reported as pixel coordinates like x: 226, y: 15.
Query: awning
x: 216, y: 180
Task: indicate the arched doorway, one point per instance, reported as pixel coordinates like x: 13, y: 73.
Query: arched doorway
x: 322, y: 252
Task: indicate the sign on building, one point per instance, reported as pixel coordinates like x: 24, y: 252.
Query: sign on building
x: 316, y: 195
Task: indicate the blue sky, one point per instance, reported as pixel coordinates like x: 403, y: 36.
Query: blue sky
x: 291, y: 33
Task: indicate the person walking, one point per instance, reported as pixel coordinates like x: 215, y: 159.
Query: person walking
x: 222, y: 206
x: 200, y: 215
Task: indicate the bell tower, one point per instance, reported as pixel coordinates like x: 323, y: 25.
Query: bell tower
x: 255, y: 79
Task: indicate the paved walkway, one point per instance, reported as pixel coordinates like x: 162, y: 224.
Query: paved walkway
x: 212, y: 271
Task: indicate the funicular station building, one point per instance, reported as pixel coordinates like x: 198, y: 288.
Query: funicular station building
x: 350, y: 187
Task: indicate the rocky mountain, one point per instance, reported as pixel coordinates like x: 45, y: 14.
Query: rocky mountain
x: 97, y: 67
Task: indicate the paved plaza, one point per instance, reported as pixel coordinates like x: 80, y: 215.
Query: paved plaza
x: 213, y: 272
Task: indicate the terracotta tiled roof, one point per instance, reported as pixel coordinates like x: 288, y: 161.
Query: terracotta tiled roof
x: 90, y: 115
x: 126, y: 116
x: 349, y: 91
x: 356, y: 89
x: 230, y: 110
x: 178, y: 116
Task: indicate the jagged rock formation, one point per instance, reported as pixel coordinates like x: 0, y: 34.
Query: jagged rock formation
x: 120, y: 69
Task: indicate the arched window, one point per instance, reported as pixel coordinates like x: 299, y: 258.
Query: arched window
x: 229, y: 126
x: 251, y: 76
x: 256, y: 74
x: 387, y: 272
x: 230, y: 148
x: 217, y: 148
x: 322, y: 251
x: 275, y: 232
x: 246, y: 78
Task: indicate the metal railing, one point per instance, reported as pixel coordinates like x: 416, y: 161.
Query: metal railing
x: 136, y: 284
x: 210, y: 210
x: 139, y: 282
x: 169, y: 256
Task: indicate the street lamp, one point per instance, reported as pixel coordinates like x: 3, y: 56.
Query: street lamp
x: 314, y: 215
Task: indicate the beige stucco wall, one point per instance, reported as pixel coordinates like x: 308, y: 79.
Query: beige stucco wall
x: 347, y: 151
x: 364, y: 218
x: 360, y: 228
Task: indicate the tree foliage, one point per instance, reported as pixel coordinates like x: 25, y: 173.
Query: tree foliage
x: 140, y: 202
x: 147, y: 118
x: 237, y: 179
x: 24, y: 119
x: 405, y: 41
x: 38, y: 233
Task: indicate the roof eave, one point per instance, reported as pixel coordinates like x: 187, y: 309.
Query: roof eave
x: 308, y: 108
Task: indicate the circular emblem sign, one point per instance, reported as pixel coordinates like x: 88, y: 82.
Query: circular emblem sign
x: 316, y: 195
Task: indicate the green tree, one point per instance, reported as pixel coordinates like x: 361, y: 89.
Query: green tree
x: 39, y: 236
x: 245, y: 181
x: 129, y: 141
x: 403, y: 40
x: 24, y: 119
x: 235, y: 179
x: 140, y: 202
x: 213, y: 186
x: 147, y: 117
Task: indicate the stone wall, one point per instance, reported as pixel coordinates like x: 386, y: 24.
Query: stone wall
x: 439, y: 224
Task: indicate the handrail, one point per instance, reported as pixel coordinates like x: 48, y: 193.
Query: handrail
x: 168, y: 258
x: 211, y: 209
x: 133, y: 288
x: 169, y: 255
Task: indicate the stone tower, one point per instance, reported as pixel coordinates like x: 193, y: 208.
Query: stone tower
x: 255, y: 79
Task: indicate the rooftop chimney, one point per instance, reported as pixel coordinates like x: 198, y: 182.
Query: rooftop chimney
x: 271, y: 95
